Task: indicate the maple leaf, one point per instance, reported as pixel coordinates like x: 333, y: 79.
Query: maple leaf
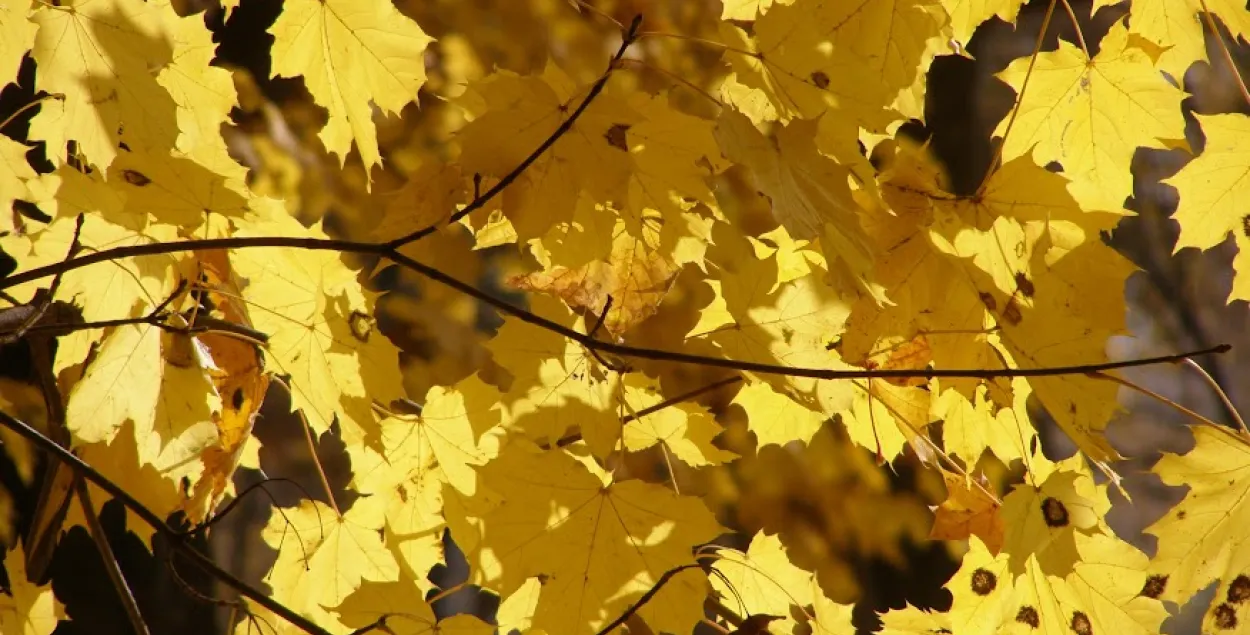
x: 1211, y: 188
x: 1200, y: 539
x: 26, y: 608
x: 347, y: 550
x: 404, y: 611
x: 14, y: 173
x: 98, y: 55
x: 17, y: 35
x: 969, y: 510
x: 596, y: 544
x: 1091, y: 115
x: 1176, y: 28
x: 762, y: 580
x: 774, y: 417
x: 808, y: 191
x: 813, y: 55
x: 321, y: 329
x: 351, y: 53
x: 418, y: 456
x: 684, y: 429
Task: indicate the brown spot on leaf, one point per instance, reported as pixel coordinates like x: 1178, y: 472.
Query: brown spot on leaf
x: 1028, y: 615
x: 1024, y: 284
x: 1154, y: 586
x: 616, y: 136
x: 236, y: 399
x: 1011, y: 313
x: 1225, y: 617
x: 1080, y: 624
x: 820, y: 79
x: 983, y: 582
x: 1054, y: 512
x: 1245, y: 225
x: 135, y: 177
x: 1239, y: 590
x: 988, y: 301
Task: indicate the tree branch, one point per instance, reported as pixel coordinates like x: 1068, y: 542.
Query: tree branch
x: 646, y: 597
x: 384, y: 250
x: 156, y: 522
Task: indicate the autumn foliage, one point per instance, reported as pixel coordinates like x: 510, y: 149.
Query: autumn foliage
x: 598, y: 291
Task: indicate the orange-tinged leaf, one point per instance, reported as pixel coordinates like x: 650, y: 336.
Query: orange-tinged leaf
x: 969, y: 510
x: 351, y: 53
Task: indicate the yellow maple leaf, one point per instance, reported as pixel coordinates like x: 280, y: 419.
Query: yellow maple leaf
x: 685, y: 429
x: 1091, y: 115
x: 808, y: 191
x: 17, y: 35
x: 14, y: 173
x: 809, y: 57
x: 747, y: 9
x: 351, y: 53
x: 762, y: 580
x: 596, y: 544
x: 967, y: 15
x: 321, y: 329
x: 405, y: 611
x: 914, y: 621
x: 26, y: 608
x: 1177, y: 28
x: 1100, y: 593
x: 1211, y: 189
x: 99, y: 56
x: 776, y: 418
x: 345, y: 551
x: 418, y: 456
x: 1202, y: 539
x: 969, y: 510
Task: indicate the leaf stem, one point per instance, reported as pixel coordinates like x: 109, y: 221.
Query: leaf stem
x: 1228, y: 403
x: 1228, y: 58
x: 1015, y: 111
x: 1076, y: 26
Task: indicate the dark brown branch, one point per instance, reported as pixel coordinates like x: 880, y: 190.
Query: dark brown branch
x: 156, y: 522
x: 384, y: 251
x: 627, y: 38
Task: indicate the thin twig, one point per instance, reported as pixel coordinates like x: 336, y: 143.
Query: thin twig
x: 38, y: 100
x: 149, y: 517
x: 1076, y: 26
x: 672, y: 401
x: 1215, y: 386
x: 1015, y: 110
x: 1224, y: 50
x: 111, y: 566
x: 627, y: 38
x: 312, y: 451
